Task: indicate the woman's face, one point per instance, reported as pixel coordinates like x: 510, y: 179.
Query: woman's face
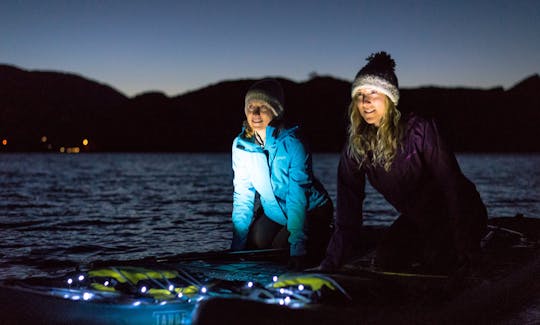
x: 372, y: 105
x: 258, y: 115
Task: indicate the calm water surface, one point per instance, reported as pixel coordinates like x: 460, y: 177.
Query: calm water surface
x: 62, y: 210
x: 59, y: 211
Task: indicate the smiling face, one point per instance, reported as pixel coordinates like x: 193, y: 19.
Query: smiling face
x: 372, y: 105
x: 258, y: 115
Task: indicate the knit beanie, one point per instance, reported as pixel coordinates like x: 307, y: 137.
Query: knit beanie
x: 378, y: 74
x: 268, y: 91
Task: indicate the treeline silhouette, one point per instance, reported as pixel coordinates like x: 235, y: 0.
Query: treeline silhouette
x: 46, y: 111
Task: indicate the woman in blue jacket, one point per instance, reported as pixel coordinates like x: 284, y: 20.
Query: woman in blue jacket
x: 442, y: 217
x: 277, y: 201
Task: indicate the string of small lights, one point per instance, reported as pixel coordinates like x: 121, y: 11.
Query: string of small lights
x: 148, y: 286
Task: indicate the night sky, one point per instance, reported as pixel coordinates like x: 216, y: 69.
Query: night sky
x: 177, y: 46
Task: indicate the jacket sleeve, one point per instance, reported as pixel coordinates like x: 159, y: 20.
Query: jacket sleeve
x: 350, y: 199
x: 463, y: 202
x: 297, y: 196
x: 243, y: 198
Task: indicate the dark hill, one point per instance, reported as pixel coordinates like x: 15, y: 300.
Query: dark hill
x: 67, y: 108
x: 64, y: 107
x: 528, y: 85
x: 482, y: 120
x: 214, y: 114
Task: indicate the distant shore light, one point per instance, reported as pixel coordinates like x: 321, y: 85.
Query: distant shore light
x: 44, y: 138
x: 70, y: 149
x: 4, y: 142
x: 85, y: 142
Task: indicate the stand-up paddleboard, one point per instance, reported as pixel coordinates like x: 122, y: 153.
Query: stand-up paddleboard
x: 254, y: 287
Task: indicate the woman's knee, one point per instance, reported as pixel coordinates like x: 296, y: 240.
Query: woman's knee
x: 262, y: 233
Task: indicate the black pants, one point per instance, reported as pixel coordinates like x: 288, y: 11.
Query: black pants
x: 265, y: 233
x: 408, y: 245
x: 405, y: 245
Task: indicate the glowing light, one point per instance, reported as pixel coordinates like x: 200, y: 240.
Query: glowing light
x: 76, y: 298
x: 287, y: 300
x: 180, y: 295
x: 203, y: 289
x: 275, y: 278
x: 282, y: 291
x: 171, y: 288
x: 136, y: 303
x: 44, y: 139
x: 70, y: 281
x: 81, y: 277
x: 143, y: 289
x: 163, y: 303
x: 4, y: 142
x: 281, y: 301
x: 106, y: 283
x: 300, y: 287
x: 85, y: 142
x: 87, y: 295
x: 250, y: 284
x: 69, y: 149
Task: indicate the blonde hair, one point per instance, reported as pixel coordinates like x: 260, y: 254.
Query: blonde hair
x: 382, y: 142
x: 248, y: 131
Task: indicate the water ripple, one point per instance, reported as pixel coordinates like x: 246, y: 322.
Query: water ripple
x: 58, y: 211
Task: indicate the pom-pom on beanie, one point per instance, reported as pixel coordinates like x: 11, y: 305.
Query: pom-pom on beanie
x: 378, y: 74
x: 269, y: 91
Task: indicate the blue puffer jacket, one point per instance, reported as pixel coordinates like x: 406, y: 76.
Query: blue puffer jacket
x: 281, y: 173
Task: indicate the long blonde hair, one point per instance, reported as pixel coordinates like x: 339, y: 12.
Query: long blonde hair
x: 248, y: 131
x: 382, y: 142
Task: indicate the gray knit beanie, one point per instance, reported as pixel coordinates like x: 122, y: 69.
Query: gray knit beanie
x: 378, y: 74
x: 268, y: 91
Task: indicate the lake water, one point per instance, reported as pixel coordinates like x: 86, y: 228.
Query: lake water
x: 58, y: 211
x: 62, y: 210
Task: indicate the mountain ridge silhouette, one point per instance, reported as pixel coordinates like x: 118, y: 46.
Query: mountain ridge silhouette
x: 66, y: 108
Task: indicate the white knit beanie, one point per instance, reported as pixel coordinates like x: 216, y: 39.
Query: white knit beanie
x: 378, y: 74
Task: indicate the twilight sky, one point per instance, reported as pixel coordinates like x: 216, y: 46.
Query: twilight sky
x: 177, y: 46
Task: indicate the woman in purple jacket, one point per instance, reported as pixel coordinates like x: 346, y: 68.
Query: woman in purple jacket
x: 442, y: 217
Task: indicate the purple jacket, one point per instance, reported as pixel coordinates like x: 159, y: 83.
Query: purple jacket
x: 424, y: 179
